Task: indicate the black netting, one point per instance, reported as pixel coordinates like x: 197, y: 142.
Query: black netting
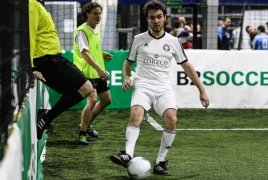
x: 14, y: 61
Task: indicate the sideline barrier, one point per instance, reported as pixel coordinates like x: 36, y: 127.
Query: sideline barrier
x: 22, y: 159
x: 232, y: 79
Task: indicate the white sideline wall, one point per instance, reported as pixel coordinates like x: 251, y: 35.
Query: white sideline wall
x: 232, y: 79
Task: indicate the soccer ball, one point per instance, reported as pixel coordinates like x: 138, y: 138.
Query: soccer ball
x: 139, y: 168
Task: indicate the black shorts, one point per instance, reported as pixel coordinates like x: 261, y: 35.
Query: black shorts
x: 99, y: 85
x: 59, y: 73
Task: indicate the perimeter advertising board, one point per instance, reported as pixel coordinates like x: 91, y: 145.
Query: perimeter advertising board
x: 232, y: 79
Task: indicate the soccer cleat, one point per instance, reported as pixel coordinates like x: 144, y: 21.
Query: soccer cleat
x: 42, y: 122
x: 121, y: 159
x: 90, y: 131
x: 81, y: 139
x: 161, y: 168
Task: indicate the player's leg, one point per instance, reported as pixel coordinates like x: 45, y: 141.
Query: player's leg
x: 139, y: 104
x: 132, y: 134
x: 86, y: 116
x: 66, y: 79
x: 105, y: 99
x: 88, y: 110
x: 169, y: 133
x: 133, y: 128
x: 166, y: 106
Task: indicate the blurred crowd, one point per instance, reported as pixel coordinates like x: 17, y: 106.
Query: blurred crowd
x: 227, y: 39
x: 184, y: 32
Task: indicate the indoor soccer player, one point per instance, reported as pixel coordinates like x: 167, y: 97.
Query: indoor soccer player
x: 89, y: 58
x: 154, y: 50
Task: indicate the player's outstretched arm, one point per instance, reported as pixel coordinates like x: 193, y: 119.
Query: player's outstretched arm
x: 191, y: 73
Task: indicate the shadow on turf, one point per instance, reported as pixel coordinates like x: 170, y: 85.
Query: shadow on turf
x: 165, y: 177
x: 65, y: 144
x: 119, y: 178
x: 189, y: 176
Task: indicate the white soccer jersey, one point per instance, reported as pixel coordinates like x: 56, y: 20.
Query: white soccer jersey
x: 154, y: 56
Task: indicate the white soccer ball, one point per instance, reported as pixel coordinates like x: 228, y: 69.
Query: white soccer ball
x: 139, y: 168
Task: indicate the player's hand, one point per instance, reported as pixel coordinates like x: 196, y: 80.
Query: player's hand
x: 39, y: 75
x: 204, y: 99
x: 104, y: 75
x: 107, y: 56
x: 127, y: 85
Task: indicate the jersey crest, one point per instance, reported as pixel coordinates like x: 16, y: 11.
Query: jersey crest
x: 166, y: 47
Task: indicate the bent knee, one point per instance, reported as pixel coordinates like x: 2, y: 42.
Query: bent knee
x: 171, y: 120
x: 92, y: 100
x: 136, y: 116
x: 86, y: 89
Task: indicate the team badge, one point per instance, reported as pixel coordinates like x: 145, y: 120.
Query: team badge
x: 156, y: 55
x: 166, y: 47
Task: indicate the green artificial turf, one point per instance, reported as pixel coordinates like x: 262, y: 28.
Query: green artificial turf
x: 208, y: 150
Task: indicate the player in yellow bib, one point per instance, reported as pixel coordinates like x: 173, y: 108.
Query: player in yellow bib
x: 51, y: 67
x: 89, y: 58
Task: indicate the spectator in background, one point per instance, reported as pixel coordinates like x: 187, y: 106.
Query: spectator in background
x: 185, y: 38
x: 236, y: 35
x: 168, y: 27
x: 183, y: 20
x: 219, y: 23
x: 199, y: 37
x: 260, y: 41
x: 191, y: 27
x: 252, y: 33
x: 185, y: 34
x: 224, y: 38
x: 176, y: 25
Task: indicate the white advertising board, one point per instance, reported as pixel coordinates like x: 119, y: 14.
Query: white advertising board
x: 232, y: 79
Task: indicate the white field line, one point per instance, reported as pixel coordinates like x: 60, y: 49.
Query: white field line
x: 158, y: 127
x: 231, y: 129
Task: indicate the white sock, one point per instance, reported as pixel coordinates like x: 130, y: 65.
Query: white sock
x: 132, y: 134
x: 166, y: 142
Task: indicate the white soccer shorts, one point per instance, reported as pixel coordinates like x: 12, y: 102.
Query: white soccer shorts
x: 161, y: 98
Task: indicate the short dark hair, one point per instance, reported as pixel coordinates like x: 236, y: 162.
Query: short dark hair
x: 176, y: 24
x: 87, y: 8
x: 225, y: 18
x: 156, y: 5
x: 247, y: 28
x: 261, y: 28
